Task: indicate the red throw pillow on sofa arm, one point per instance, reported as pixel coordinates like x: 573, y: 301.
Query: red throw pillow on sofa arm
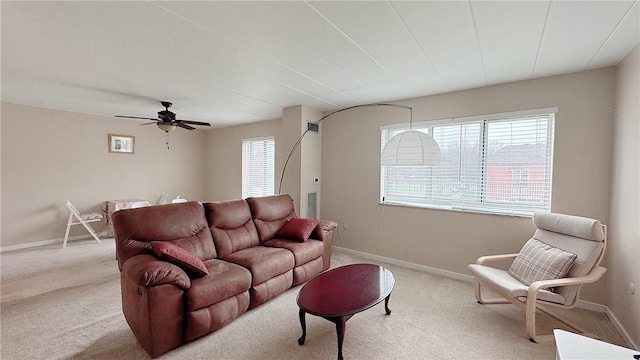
x: 176, y: 255
x: 298, y: 229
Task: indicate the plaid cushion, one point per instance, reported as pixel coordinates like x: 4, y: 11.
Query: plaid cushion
x: 539, y: 261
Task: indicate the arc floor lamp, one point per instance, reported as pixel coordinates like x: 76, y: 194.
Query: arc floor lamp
x: 408, y: 148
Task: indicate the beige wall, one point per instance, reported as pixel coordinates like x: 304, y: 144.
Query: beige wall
x: 451, y: 240
x: 310, y: 163
x: 224, y: 158
x: 291, y: 131
x: 49, y: 156
x: 624, y: 226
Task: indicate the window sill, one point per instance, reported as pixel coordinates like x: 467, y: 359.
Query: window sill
x: 456, y: 209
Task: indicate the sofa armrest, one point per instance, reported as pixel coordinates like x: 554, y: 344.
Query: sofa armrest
x: 148, y: 271
x: 324, y: 229
x: 324, y: 233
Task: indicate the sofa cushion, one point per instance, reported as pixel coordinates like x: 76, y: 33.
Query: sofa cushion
x: 539, y: 261
x: 183, y: 224
x: 303, y: 252
x: 577, y: 226
x: 270, y: 213
x: 176, y: 255
x: 225, y: 280
x: 231, y: 226
x: 263, y: 262
x: 501, y: 280
x: 298, y: 229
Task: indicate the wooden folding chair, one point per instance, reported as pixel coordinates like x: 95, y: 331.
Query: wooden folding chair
x: 75, y: 218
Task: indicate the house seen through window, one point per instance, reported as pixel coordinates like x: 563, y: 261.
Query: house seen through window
x: 500, y: 164
x: 258, y: 167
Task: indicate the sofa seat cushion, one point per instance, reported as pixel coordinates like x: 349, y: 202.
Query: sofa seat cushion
x: 225, y: 280
x: 303, y: 252
x: 263, y: 262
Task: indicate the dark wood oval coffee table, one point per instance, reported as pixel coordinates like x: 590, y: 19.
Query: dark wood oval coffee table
x: 339, y: 293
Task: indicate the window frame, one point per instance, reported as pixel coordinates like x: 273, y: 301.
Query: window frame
x: 268, y: 169
x: 475, y: 200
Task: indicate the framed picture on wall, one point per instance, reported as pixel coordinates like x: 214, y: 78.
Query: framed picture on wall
x: 122, y: 144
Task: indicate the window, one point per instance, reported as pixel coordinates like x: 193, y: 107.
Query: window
x: 258, y: 167
x: 498, y: 164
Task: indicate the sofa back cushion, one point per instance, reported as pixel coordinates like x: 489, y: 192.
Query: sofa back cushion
x: 270, y: 213
x: 182, y: 224
x: 231, y: 226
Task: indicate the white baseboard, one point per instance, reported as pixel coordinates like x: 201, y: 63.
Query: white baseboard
x: 621, y: 330
x: 587, y: 305
x: 47, y: 242
x: 410, y: 265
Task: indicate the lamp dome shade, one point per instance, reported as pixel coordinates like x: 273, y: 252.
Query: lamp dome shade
x: 410, y: 148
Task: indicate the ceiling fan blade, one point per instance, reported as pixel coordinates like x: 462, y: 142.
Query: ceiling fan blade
x: 134, y: 117
x: 194, y: 122
x: 155, y: 122
x: 185, y: 126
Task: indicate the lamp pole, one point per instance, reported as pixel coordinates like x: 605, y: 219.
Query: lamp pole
x: 299, y: 141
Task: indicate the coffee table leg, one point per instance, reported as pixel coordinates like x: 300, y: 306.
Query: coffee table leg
x: 304, y: 328
x: 340, y: 325
x: 386, y: 304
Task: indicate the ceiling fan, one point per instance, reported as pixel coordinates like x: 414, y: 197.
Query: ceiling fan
x: 166, y: 120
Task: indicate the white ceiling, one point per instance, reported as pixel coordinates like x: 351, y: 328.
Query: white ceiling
x: 238, y: 62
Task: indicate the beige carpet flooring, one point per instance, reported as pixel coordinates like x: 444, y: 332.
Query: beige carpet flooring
x: 65, y: 304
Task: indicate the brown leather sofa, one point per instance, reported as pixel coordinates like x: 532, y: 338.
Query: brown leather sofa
x: 241, y: 245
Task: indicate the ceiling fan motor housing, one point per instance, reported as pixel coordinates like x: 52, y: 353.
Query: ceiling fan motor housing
x: 166, y: 116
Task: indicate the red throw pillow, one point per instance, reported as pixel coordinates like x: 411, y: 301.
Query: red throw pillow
x: 176, y: 255
x: 298, y: 229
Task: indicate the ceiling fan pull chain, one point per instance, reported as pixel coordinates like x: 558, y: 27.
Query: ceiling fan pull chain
x: 167, y: 142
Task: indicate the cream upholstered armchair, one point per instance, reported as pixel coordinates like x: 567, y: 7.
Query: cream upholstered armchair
x: 563, y: 254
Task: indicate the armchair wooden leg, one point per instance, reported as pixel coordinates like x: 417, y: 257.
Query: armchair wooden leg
x: 478, y: 288
x: 531, y: 325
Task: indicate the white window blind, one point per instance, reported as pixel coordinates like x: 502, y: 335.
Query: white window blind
x: 258, y: 167
x: 499, y: 164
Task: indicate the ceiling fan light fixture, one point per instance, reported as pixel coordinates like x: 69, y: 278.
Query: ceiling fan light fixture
x: 166, y: 127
